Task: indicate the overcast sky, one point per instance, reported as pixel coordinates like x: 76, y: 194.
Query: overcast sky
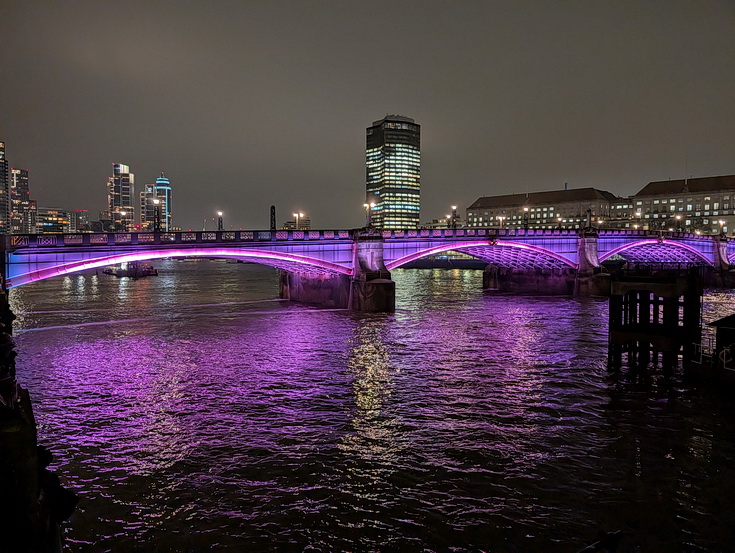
x: 247, y: 104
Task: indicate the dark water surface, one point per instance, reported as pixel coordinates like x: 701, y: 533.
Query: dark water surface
x: 193, y: 412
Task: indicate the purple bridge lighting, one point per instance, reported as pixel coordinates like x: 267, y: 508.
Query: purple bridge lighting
x: 363, y: 254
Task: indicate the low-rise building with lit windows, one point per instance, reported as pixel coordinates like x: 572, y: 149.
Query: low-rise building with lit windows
x: 702, y: 205
x: 543, y: 210
x: 51, y: 220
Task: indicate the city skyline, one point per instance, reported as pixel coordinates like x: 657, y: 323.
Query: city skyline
x: 247, y: 106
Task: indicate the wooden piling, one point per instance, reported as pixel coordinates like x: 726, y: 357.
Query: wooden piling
x: 655, y: 315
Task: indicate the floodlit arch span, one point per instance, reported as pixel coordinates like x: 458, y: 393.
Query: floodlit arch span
x: 285, y: 261
x: 502, y: 253
x: 658, y: 251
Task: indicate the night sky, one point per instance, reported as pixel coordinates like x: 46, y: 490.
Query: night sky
x: 248, y: 104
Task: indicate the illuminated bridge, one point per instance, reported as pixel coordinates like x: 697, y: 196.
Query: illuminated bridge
x: 352, y: 267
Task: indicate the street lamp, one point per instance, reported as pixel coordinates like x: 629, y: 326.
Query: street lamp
x: 220, y: 225
x: 454, y: 217
x: 122, y: 220
x: 368, y: 213
x: 156, y: 215
x: 525, y: 218
x: 501, y: 219
x: 559, y: 221
x: 297, y: 216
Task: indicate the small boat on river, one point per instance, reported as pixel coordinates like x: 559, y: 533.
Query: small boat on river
x: 133, y: 270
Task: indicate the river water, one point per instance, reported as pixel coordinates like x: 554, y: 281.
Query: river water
x: 194, y: 412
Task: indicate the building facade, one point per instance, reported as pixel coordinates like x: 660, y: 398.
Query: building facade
x: 52, y: 220
x: 79, y: 221
x: 4, y: 192
x: 297, y: 223
x: 120, y: 195
x: 574, y: 208
x: 393, y: 172
x: 20, y: 201
x: 155, y: 205
x: 702, y: 205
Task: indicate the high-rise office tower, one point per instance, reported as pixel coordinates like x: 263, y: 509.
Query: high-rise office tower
x: 4, y: 192
x: 155, y: 203
x: 393, y: 167
x: 20, y: 201
x: 120, y: 191
x: 163, y: 193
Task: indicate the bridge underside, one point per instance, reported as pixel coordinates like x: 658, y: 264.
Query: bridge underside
x: 63, y: 264
x: 509, y: 255
x: 655, y: 251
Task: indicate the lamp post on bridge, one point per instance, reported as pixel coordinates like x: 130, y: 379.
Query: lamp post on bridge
x: 368, y: 213
x: 122, y: 220
x: 220, y: 223
x: 525, y: 218
x: 297, y: 216
x: 501, y: 218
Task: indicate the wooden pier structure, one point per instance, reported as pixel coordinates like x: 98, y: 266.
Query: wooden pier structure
x: 655, y: 315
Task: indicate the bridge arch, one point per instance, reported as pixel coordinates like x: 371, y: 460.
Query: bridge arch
x: 658, y: 251
x: 503, y: 253
x: 279, y: 260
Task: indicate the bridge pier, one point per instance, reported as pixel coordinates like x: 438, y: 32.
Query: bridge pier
x: 370, y: 289
x: 330, y: 291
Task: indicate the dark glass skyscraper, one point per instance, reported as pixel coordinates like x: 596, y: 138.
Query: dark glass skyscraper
x: 393, y: 167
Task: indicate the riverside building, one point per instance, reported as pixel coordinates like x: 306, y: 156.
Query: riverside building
x: 393, y: 172
x: 702, y: 205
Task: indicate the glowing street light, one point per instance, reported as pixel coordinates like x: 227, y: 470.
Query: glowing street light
x: 220, y: 222
x: 122, y: 220
x: 501, y: 219
x: 298, y: 216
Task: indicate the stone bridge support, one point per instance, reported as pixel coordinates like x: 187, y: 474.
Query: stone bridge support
x: 369, y: 289
x: 589, y: 280
x: 721, y: 261
x: 722, y: 277
x: 372, y: 289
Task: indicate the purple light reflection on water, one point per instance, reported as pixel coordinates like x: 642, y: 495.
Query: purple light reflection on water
x: 224, y: 420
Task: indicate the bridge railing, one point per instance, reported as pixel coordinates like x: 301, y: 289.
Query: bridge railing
x: 474, y: 233
x: 15, y: 241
